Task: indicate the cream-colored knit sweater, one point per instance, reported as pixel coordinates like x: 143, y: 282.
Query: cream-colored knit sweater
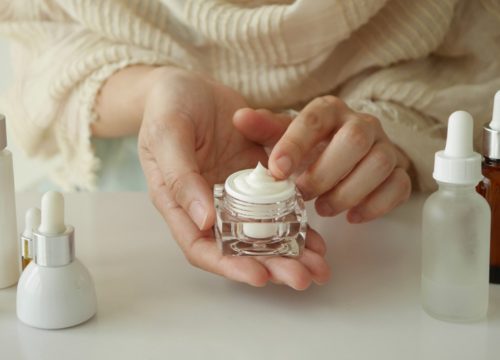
x: 411, y: 63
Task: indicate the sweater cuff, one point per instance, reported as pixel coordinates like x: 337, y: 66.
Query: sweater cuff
x: 420, y: 137
x: 78, y: 166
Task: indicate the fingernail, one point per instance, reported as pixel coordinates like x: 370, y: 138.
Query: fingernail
x: 355, y: 217
x: 324, y: 208
x: 197, y: 213
x: 320, y: 283
x: 284, y: 164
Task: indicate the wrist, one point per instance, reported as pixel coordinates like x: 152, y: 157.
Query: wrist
x: 121, y: 101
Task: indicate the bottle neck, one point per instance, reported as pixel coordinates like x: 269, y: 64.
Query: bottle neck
x: 456, y: 188
x: 491, y: 162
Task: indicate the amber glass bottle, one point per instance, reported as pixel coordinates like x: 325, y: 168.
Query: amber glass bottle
x: 490, y: 189
x: 32, y: 222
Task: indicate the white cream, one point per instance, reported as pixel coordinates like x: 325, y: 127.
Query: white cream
x: 259, y: 189
x: 258, y: 186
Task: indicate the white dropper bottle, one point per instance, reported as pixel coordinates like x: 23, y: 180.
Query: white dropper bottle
x: 9, y: 255
x: 456, y: 231
x: 56, y: 290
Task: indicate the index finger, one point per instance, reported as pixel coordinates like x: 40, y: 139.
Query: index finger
x: 314, y: 123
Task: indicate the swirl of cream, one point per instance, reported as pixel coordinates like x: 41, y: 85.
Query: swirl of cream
x: 259, y: 185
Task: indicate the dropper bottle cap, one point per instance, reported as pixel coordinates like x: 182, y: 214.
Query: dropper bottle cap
x: 458, y: 163
x: 54, y: 241
x: 31, y: 222
x: 3, y: 133
x: 491, y: 132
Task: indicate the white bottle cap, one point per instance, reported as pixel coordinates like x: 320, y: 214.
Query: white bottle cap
x: 495, y: 120
x: 491, y: 132
x: 3, y: 133
x: 458, y: 163
x: 32, y: 221
x: 54, y: 241
x: 52, y: 214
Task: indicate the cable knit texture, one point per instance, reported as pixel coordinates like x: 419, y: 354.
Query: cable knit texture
x: 410, y: 63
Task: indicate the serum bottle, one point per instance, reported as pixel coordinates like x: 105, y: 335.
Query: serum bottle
x: 32, y: 222
x: 456, y: 231
x: 490, y: 186
x: 56, y: 290
x: 9, y: 263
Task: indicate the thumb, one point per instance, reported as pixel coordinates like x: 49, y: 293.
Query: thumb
x: 261, y: 126
x: 173, y: 148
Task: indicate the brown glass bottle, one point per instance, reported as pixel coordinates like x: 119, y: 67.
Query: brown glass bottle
x: 489, y: 188
x: 26, y: 250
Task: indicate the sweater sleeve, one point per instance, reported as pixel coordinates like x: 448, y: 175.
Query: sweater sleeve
x: 414, y: 99
x: 59, y: 68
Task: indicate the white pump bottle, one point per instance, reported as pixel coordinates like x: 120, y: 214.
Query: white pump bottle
x: 456, y: 231
x: 9, y: 253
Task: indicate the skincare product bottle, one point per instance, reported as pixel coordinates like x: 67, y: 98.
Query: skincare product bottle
x: 32, y: 222
x: 9, y: 255
x: 490, y: 186
x: 258, y: 215
x: 456, y: 231
x: 55, y: 290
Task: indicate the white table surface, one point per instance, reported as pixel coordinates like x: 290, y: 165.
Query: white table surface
x: 154, y: 305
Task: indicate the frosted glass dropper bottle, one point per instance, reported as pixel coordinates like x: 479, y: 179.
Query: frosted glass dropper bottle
x: 456, y: 231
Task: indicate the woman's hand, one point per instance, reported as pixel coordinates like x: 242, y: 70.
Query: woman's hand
x: 359, y: 168
x: 187, y: 143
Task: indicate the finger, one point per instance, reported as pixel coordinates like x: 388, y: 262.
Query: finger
x: 395, y: 190
x: 315, y: 242
x: 317, y: 266
x: 313, y: 257
x: 314, y: 123
x: 172, y: 142
x: 349, y: 145
x: 200, y: 248
x: 288, y: 271
x: 266, y: 128
x: 261, y: 126
x: 372, y: 171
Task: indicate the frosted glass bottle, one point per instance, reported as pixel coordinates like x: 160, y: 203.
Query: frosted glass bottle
x: 456, y: 231
x: 455, y: 253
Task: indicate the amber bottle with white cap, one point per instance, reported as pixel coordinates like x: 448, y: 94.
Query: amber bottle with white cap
x: 31, y: 222
x: 258, y: 215
x: 490, y: 186
x: 456, y: 231
x: 9, y: 254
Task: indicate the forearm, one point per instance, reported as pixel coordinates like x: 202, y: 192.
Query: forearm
x: 120, y: 103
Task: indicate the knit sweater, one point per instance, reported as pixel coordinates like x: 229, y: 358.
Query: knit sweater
x: 410, y: 63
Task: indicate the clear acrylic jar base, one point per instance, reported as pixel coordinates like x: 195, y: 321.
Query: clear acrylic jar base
x: 280, y: 236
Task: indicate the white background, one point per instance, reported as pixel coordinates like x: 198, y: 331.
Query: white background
x: 27, y: 172
x: 153, y: 305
